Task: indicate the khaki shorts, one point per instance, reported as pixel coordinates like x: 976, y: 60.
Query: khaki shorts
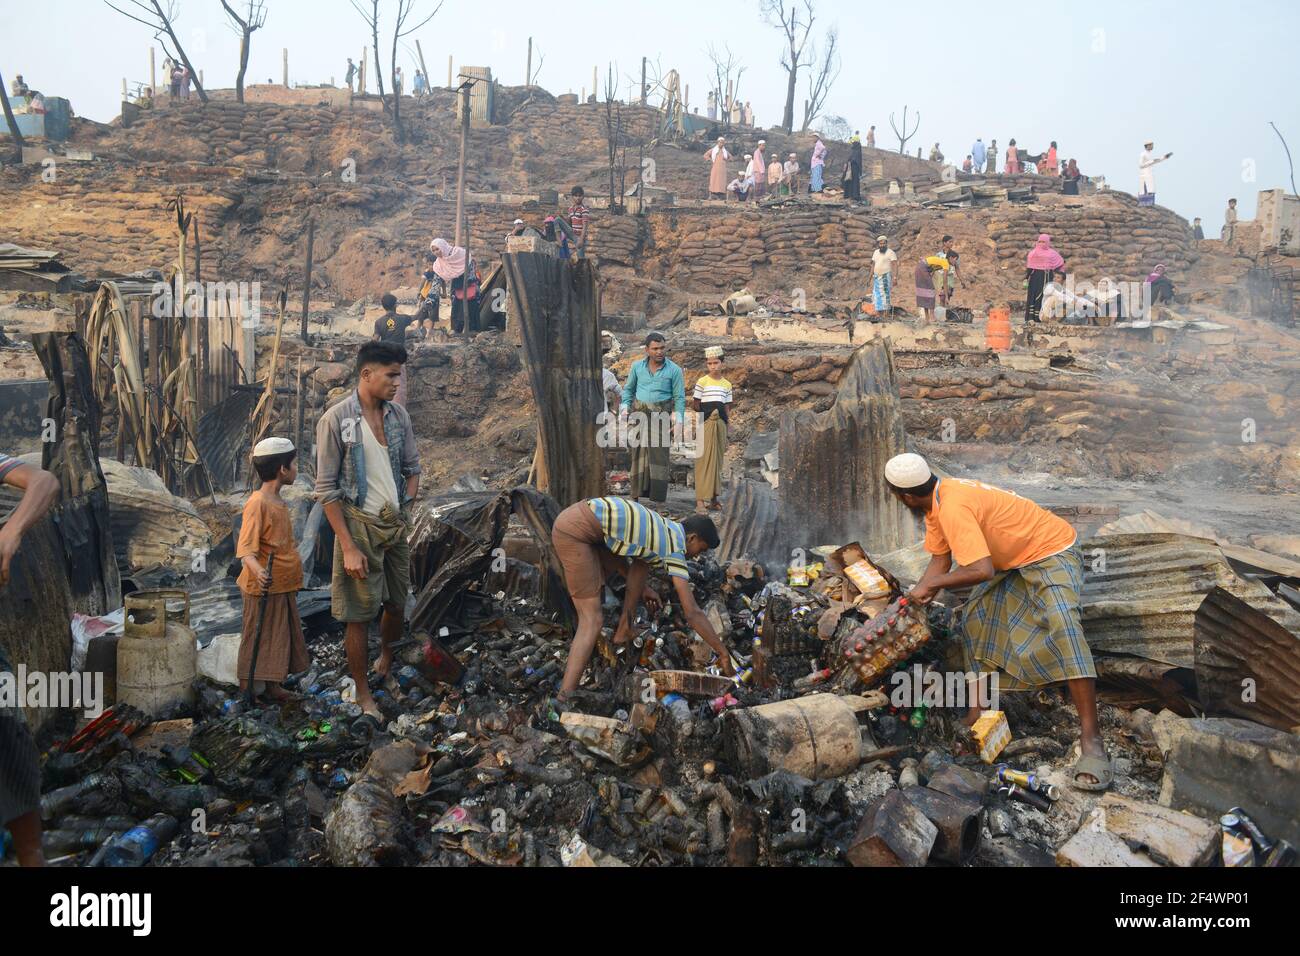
x: 580, y: 545
x: 382, y: 539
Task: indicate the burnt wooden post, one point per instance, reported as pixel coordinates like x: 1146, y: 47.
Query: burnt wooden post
x: 557, y: 305
x: 306, y: 282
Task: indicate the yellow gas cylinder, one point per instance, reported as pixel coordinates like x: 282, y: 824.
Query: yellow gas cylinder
x: 157, y: 657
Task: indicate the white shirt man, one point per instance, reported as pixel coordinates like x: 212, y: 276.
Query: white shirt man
x: 882, y: 261
x: 1146, y: 167
x: 381, y: 488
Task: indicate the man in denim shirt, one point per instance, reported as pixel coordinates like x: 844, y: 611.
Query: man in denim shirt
x: 655, y: 390
x: 367, y: 473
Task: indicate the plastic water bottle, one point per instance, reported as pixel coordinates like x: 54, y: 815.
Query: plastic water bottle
x: 137, y: 845
x: 681, y: 710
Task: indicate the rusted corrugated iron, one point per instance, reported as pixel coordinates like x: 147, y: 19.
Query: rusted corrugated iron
x: 833, y: 464
x: 1234, y: 643
x: 1141, y: 592
x: 748, y: 523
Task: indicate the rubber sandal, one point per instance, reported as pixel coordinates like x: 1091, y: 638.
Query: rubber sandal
x: 1099, y: 767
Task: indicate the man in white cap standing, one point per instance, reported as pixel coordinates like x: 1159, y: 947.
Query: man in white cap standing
x: 882, y: 276
x: 1146, y: 172
x: 1025, y: 569
x: 717, y: 157
x: 760, y: 171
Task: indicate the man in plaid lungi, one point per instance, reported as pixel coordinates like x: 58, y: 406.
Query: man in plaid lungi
x: 1025, y: 568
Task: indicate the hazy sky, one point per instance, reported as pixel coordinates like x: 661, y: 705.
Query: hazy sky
x: 1202, y: 78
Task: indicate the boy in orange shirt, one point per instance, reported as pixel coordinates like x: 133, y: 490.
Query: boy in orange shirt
x: 266, y: 539
x: 1026, y: 570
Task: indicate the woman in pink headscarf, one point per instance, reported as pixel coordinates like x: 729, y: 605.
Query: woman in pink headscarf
x: 454, y: 266
x: 1042, y: 261
x: 1162, y: 287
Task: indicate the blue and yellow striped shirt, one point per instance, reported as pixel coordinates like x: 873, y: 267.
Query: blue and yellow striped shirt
x: 634, y: 531
x: 7, y: 465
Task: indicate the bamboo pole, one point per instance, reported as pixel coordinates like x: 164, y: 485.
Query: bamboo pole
x: 306, y: 284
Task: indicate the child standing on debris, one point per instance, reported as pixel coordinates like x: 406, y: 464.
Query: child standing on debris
x: 579, y: 217
x: 272, y: 575
x: 711, y: 400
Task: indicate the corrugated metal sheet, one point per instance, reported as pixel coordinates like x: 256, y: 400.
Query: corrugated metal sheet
x: 748, y: 523
x: 833, y: 486
x: 223, y: 434
x: 1141, y: 593
x: 1235, y: 642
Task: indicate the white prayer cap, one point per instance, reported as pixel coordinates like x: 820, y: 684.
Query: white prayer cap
x: 713, y: 351
x: 794, y: 155
x: 882, y: 238
x: 762, y: 142
x: 722, y: 139
x: 272, y: 446
x: 519, y: 222
x: 907, y: 471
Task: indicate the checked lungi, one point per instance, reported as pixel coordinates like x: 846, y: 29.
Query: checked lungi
x: 650, y: 462
x: 882, y: 289
x: 1025, y: 624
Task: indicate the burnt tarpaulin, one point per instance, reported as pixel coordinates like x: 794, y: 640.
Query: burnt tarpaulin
x: 833, y: 463
x: 1247, y: 664
x: 73, y: 457
x: 455, y: 540
x: 556, y: 303
x: 66, y: 563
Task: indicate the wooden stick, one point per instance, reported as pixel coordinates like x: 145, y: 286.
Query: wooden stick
x: 306, y: 285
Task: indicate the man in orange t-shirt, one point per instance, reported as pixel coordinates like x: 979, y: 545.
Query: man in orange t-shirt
x: 1025, y: 570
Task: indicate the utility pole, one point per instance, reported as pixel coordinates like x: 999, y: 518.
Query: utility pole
x: 528, y: 71
x: 153, y: 76
x: 460, y: 166
x: 428, y: 80
x: 643, y: 81
x: 306, y: 284
x: 286, y: 66
x: 361, y: 77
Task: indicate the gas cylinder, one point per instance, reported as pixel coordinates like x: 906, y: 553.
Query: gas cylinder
x: 157, y: 657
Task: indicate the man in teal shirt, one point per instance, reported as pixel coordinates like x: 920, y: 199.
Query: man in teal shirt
x: 655, y: 386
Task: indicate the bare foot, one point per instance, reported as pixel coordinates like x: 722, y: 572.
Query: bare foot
x: 384, y: 664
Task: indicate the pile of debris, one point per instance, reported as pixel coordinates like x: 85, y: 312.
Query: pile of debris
x: 804, y: 758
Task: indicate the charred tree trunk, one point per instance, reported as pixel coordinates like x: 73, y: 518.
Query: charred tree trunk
x: 243, y: 66
x: 557, y: 305
x: 833, y: 487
